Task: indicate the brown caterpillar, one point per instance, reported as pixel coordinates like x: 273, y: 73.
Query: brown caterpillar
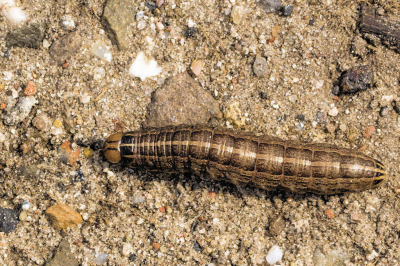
x: 243, y: 158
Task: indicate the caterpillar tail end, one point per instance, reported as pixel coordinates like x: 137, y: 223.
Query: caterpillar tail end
x: 111, y: 148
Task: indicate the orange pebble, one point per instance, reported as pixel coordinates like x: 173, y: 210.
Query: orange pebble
x: 30, y: 89
x: 66, y: 64
x: 212, y: 194
x: 329, y: 213
x: 155, y: 245
x: 3, y: 106
x: 369, y: 131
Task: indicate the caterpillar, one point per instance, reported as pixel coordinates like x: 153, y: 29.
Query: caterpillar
x: 243, y: 158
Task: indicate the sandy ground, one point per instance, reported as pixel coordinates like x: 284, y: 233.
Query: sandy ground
x: 186, y: 220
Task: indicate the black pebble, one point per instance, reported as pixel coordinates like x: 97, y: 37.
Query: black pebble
x: 7, y: 53
x: 263, y: 95
x: 190, y: 32
x: 132, y: 257
x: 8, y: 220
x: 79, y: 176
x: 301, y: 117
x: 357, y: 79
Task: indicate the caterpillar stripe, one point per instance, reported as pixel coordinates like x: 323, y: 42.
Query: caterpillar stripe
x: 243, y: 158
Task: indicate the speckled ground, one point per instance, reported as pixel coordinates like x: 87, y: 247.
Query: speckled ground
x: 170, y: 219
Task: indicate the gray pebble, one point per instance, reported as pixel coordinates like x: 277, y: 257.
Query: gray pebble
x: 287, y: 11
x: 8, y: 220
x: 30, y: 36
x: 260, y: 66
x: 384, y: 111
x: 270, y: 6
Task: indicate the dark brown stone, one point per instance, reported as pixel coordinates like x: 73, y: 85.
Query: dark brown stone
x: 65, y: 47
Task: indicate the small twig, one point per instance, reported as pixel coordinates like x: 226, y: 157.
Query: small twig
x: 104, y: 90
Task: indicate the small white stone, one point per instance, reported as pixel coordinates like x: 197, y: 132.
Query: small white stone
x: 85, y: 98
x: 67, y: 22
x: 26, y: 205
x: 100, y: 50
x: 292, y: 98
x: 191, y: 24
x: 139, y: 15
x: 98, y: 73
x: 160, y: 26
x: 127, y: 249
x: 274, y: 255
x: 85, y: 216
x: 141, y: 25
x: 46, y: 44
x: 11, y: 12
x: 333, y: 112
x: 372, y: 255
x: 101, y: 259
x: 144, y: 67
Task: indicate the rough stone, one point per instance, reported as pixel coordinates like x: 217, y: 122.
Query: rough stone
x: 63, y: 256
x: 331, y: 258
x: 270, y: 6
x: 65, y: 47
x: 180, y: 101
x: 277, y: 225
x: 117, y: 19
x: 8, y: 220
x: 20, y: 111
x: 63, y: 216
x: 260, y: 66
x: 30, y: 36
x: 357, y: 79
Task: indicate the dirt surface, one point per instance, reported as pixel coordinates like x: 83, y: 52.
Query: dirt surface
x: 141, y: 218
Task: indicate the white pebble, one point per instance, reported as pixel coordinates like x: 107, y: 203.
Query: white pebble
x: 26, y: 205
x: 191, y: 24
x: 126, y: 250
x: 141, y: 25
x: 67, y: 22
x: 85, y: 98
x: 11, y: 12
x: 274, y: 255
x: 333, y: 112
x: 292, y: 98
x: 144, y: 67
x: 99, y: 73
x: 101, y: 259
x: 100, y: 50
x: 372, y: 255
x: 46, y: 44
x: 160, y: 26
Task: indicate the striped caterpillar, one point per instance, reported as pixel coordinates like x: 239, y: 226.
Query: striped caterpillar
x: 243, y: 158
